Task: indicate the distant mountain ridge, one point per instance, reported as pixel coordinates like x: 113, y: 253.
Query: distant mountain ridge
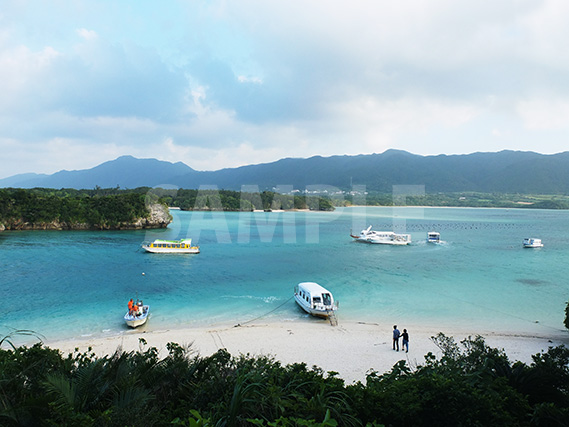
x: 501, y: 172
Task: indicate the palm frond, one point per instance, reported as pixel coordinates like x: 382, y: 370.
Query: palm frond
x: 9, y: 338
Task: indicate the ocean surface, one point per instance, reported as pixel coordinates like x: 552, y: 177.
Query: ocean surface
x: 76, y: 284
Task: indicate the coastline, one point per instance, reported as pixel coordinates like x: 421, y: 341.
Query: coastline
x: 351, y: 349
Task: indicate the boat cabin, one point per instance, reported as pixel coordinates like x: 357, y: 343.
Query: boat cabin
x: 181, y: 244
x: 313, y: 298
x: 174, y: 245
x: 433, y: 237
x: 171, y: 246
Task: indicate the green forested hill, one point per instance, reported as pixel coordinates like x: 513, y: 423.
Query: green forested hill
x: 502, y: 172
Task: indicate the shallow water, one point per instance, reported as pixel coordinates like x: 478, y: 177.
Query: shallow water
x: 71, y: 284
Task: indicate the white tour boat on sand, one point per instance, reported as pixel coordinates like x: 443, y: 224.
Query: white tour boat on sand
x: 315, y: 299
x: 382, y: 237
x: 532, y: 243
x: 183, y: 246
x: 433, y: 237
x: 137, y: 313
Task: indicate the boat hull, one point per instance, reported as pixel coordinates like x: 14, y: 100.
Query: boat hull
x: 135, y: 321
x: 388, y: 242
x: 322, y: 313
x: 192, y: 250
x: 376, y: 241
x: 382, y: 237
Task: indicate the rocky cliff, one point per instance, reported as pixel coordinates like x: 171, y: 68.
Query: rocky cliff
x: 159, y: 218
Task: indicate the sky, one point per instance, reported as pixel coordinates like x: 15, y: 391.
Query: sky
x: 218, y: 84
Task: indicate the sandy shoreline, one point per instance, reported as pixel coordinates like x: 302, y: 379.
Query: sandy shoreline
x: 351, y: 349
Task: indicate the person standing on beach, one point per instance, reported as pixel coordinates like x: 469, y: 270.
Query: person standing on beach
x: 405, y: 343
x: 396, y: 335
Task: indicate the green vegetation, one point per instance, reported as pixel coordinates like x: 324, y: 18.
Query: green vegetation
x: 470, y: 384
x: 464, y: 199
x: 106, y: 208
x: 566, y: 322
x: 95, y: 208
x: 226, y: 200
x: 109, y: 208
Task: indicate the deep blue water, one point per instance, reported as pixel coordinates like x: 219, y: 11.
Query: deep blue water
x: 70, y: 284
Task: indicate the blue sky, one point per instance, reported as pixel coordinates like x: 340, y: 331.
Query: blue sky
x: 218, y: 84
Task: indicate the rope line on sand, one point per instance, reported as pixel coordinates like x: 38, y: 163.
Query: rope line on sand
x: 263, y: 315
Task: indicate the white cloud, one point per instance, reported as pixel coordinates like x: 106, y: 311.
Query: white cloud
x: 203, y: 158
x: 545, y: 114
x: 221, y: 84
x: 21, y: 72
x: 245, y: 79
x: 87, y: 34
x: 547, y: 34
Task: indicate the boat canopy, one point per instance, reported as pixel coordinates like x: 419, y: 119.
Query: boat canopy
x: 312, y: 288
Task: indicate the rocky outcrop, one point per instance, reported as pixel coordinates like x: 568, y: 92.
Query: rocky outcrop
x: 53, y: 225
x: 158, y: 217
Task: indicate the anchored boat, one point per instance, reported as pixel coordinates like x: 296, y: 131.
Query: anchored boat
x: 137, y: 313
x: 183, y: 246
x: 382, y: 237
x: 315, y: 299
x: 532, y: 243
x: 433, y: 237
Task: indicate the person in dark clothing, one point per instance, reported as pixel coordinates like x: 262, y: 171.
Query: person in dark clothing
x: 405, y: 343
x: 396, y: 335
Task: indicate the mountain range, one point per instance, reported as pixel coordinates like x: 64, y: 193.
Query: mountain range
x: 501, y: 172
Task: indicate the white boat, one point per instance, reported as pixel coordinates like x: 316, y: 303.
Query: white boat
x: 183, y: 246
x: 315, y: 299
x: 532, y: 243
x: 433, y: 237
x: 137, y: 315
x: 382, y: 237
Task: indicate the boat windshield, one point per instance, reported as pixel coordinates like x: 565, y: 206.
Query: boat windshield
x: 326, y: 298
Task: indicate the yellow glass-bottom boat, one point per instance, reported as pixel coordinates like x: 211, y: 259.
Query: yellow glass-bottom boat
x: 183, y: 246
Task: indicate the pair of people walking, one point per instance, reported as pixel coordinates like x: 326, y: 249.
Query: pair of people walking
x: 405, y: 339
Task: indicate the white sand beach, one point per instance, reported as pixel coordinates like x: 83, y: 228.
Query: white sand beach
x: 350, y: 349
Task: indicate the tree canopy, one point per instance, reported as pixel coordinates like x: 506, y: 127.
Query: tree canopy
x: 41, y: 206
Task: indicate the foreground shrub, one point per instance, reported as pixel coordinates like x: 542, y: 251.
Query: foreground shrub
x: 470, y: 384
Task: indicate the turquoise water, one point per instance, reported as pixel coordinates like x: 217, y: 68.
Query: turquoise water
x: 73, y: 284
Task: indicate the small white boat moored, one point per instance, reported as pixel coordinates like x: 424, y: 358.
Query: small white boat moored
x: 315, y: 299
x: 382, y: 237
x: 532, y: 243
x: 433, y: 237
x: 183, y: 246
x: 137, y: 313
